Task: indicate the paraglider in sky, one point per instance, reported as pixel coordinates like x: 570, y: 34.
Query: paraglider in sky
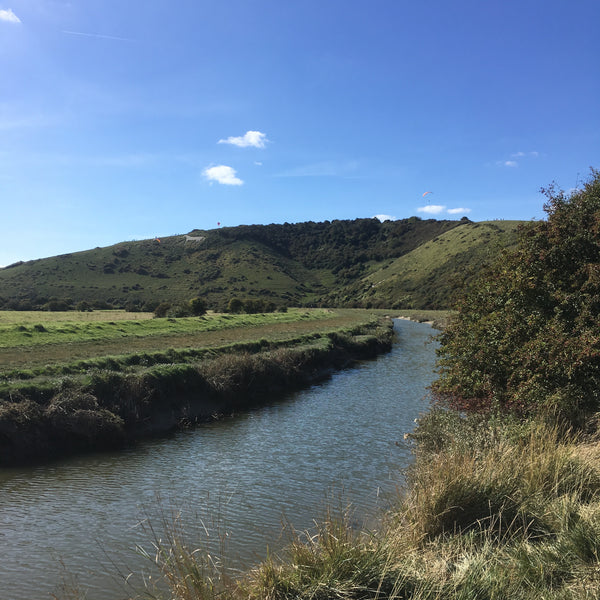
x: 425, y: 194
x: 157, y: 240
x: 219, y: 224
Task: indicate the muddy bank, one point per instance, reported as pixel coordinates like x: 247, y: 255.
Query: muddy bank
x: 110, y: 409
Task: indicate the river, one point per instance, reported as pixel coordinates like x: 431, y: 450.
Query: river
x: 236, y: 481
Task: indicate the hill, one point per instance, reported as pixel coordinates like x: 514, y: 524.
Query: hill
x: 409, y: 263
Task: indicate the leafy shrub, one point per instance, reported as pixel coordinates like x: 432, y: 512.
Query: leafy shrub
x: 197, y: 306
x: 235, y: 306
x: 526, y: 335
x: 162, y: 309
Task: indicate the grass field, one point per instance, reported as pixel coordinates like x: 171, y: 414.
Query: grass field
x: 33, y: 339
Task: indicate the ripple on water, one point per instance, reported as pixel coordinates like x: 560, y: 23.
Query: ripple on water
x: 243, y: 475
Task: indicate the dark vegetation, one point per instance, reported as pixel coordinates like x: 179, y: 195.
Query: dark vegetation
x: 410, y: 263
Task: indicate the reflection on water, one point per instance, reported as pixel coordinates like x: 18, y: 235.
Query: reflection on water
x: 238, y: 479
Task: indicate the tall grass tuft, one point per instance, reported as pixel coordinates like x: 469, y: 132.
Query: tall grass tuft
x: 335, y: 561
x: 505, y: 484
x: 186, y: 571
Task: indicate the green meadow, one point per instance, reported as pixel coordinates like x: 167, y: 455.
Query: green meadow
x: 47, y: 339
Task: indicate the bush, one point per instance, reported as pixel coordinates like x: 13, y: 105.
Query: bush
x: 526, y: 335
x: 162, y: 309
x: 235, y: 306
x: 197, y: 306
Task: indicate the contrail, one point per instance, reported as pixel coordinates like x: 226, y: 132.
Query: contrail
x: 98, y: 35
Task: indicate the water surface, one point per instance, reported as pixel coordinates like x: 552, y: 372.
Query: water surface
x: 238, y: 479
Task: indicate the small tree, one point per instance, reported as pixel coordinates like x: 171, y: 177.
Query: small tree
x: 162, y: 309
x: 235, y: 306
x: 197, y: 306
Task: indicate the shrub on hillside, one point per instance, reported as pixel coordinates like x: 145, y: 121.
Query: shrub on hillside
x: 251, y: 306
x: 197, y: 306
x: 162, y: 309
x: 526, y: 337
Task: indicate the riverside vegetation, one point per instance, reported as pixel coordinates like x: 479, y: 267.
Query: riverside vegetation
x: 503, y: 499
x: 103, y: 380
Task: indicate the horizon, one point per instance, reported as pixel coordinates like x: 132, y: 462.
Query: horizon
x: 121, y: 122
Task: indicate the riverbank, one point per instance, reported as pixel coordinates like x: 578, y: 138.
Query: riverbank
x: 491, y: 509
x: 109, y: 402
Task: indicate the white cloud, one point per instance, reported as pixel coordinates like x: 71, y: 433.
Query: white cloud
x: 9, y: 16
x: 222, y: 174
x: 432, y: 209
x: 254, y: 139
x: 457, y: 211
x: 512, y: 163
x: 383, y: 218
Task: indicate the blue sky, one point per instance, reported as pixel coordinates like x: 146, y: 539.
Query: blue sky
x: 129, y: 120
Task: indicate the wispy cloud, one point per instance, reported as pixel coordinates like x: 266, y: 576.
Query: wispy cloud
x: 525, y: 154
x: 458, y: 211
x: 97, y: 35
x: 9, y: 16
x: 254, y: 139
x: 383, y: 218
x: 222, y: 174
x: 512, y: 163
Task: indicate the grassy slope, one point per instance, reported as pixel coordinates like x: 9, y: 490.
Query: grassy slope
x: 171, y: 269
x: 247, y: 263
x: 442, y: 263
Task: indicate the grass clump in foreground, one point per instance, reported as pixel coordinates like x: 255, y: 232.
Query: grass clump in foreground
x: 496, y: 511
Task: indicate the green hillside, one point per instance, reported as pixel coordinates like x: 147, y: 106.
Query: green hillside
x: 410, y: 263
x: 434, y: 274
